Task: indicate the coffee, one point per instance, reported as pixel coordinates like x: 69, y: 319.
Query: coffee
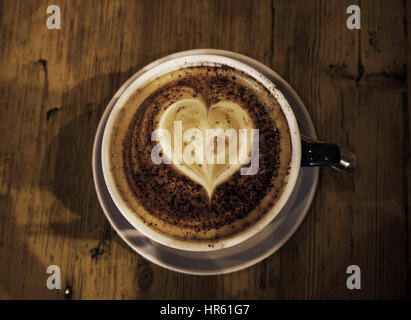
x: 195, y: 199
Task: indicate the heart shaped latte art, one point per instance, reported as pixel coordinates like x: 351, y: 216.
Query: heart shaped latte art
x: 206, y: 144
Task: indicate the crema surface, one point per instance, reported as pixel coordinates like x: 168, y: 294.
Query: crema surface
x: 198, y: 200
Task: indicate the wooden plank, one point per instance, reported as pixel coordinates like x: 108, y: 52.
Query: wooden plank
x: 350, y: 89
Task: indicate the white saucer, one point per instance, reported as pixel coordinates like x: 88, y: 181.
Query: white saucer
x: 231, y: 259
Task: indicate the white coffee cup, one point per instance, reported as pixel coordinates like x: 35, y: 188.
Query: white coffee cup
x: 156, y: 70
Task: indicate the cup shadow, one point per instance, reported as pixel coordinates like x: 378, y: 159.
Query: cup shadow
x: 66, y: 168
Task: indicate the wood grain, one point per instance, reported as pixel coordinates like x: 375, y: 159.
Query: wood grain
x: 55, y: 84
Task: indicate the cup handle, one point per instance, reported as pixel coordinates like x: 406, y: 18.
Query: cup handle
x: 315, y: 153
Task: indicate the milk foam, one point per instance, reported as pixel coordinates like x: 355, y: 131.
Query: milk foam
x: 226, y: 118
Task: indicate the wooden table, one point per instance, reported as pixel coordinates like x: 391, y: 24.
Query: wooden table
x: 55, y: 85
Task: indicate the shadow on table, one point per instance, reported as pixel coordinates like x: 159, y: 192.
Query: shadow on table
x: 66, y: 168
x: 65, y: 172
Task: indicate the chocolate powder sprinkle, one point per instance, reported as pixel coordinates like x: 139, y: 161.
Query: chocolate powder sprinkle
x: 171, y: 196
